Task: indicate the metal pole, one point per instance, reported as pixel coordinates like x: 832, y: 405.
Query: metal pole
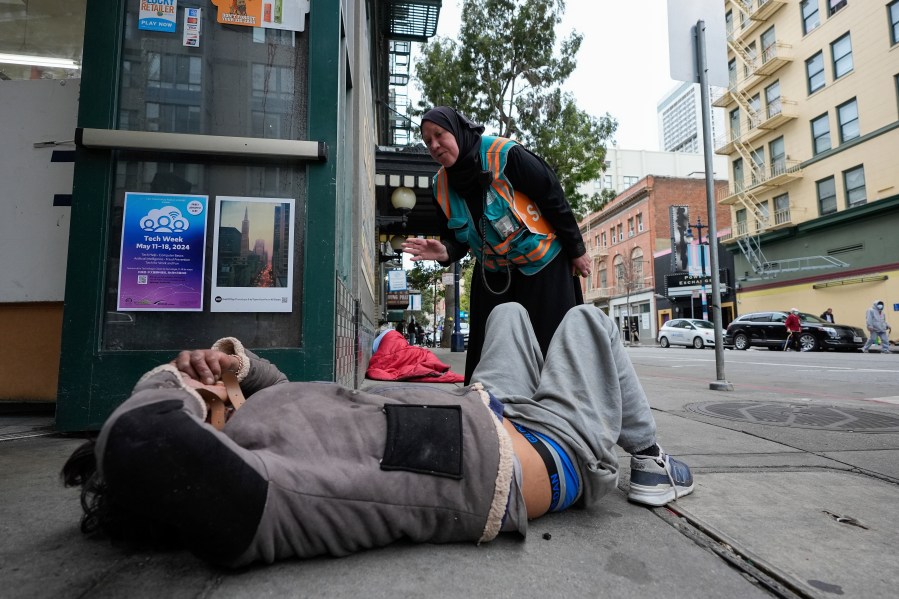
x: 720, y: 384
x: 457, y: 343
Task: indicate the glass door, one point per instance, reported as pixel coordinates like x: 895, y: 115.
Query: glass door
x: 226, y: 87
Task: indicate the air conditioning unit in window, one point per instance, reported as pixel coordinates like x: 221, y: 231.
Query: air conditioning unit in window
x: 640, y: 227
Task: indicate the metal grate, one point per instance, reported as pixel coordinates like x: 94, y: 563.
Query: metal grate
x: 345, y: 338
x: 413, y: 20
x: 832, y: 418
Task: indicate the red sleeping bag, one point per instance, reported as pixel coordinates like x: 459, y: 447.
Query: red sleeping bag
x: 396, y: 360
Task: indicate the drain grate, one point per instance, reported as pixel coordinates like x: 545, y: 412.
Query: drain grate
x: 829, y: 418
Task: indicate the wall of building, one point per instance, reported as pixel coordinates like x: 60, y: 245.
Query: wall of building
x: 804, y: 240
x: 625, y: 167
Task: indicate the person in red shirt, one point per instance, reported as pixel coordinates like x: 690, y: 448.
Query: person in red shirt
x: 793, y: 328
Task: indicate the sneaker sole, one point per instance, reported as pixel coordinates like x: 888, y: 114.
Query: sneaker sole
x: 656, y: 496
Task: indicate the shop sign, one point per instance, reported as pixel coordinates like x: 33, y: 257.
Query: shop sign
x: 158, y: 15
x: 268, y: 14
x: 398, y: 300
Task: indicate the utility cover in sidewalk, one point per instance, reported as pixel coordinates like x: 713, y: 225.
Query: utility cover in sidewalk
x: 830, y: 418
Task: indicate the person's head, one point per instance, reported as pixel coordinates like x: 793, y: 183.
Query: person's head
x: 879, y: 304
x: 448, y: 135
x: 795, y: 311
x: 829, y: 310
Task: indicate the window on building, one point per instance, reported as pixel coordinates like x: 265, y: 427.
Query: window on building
x: 835, y: 5
x: 740, y: 217
x: 821, y: 134
x: 810, y: 18
x: 619, y: 230
x: 618, y: 263
x: 732, y: 73
x: 854, y: 183
x: 764, y: 216
x: 755, y: 107
x: 772, y: 100
x: 729, y: 22
x: 739, y: 180
x: 778, y: 157
x: 768, y: 41
x: 607, y: 181
x: 735, y: 121
x: 814, y: 68
x: 827, y: 195
x: 841, y: 51
x: 602, y: 239
x: 637, y: 267
x: 758, y: 165
x: 751, y: 62
x: 628, y: 181
x: 782, y: 209
x: 639, y: 223
x: 603, y: 276
x: 630, y: 227
x: 847, y: 119
x: 893, y: 14
x: 612, y: 235
x: 896, y: 80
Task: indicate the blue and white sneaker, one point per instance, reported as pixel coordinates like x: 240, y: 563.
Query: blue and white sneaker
x: 658, y: 480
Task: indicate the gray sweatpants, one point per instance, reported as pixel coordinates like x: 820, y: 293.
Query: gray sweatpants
x: 585, y: 394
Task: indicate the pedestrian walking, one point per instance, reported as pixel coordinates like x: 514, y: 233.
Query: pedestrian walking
x: 827, y: 315
x: 876, y: 322
x: 794, y: 327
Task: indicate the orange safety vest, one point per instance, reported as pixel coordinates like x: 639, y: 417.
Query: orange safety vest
x: 518, y: 233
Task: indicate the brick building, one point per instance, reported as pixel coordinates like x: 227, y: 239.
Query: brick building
x: 630, y: 241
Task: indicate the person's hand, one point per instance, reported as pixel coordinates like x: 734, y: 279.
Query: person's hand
x: 425, y: 249
x: 205, y: 365
x: 580, y: 266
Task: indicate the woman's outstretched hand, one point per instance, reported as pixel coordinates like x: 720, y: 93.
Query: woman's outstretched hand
x: 425, y: 249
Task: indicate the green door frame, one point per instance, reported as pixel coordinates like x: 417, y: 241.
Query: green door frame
x: 93, y: 381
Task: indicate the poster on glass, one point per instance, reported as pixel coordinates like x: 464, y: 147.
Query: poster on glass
x: 252, y: 257
x: 163, y: 252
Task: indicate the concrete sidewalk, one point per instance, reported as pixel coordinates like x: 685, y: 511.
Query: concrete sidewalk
x: 786, y: 513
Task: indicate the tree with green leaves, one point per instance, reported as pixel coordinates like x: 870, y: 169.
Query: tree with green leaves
x: 505, y: 71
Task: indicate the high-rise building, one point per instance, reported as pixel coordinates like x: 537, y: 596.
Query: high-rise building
x: 812, y: 136
x: 680, y: 120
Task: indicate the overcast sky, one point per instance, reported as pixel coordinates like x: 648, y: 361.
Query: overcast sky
x: 623, y: 61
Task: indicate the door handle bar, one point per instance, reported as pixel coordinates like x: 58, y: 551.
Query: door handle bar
x: 187, y: 143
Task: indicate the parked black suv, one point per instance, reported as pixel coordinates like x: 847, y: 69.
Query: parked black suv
x: 767, y: 329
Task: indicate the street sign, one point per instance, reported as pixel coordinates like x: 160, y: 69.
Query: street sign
x: 396, y: 280
x: 682, y: 18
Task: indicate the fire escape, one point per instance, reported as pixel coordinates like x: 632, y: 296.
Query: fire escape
x: 406, y: 21
x: 759, y: 177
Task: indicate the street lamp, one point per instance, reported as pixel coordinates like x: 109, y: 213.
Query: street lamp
x: 403, y: 200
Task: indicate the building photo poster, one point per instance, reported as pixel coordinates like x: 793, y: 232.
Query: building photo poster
x: 252, y: 255
x: 163, y: 252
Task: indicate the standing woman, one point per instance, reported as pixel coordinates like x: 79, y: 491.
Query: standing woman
x: 505, y: 205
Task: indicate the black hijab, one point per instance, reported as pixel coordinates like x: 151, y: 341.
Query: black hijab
x: 466, y: 176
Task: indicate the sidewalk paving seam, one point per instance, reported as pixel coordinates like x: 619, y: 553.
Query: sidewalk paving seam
x: 753, y: 567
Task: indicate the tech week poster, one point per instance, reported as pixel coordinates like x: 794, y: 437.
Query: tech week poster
x: 163, y: 252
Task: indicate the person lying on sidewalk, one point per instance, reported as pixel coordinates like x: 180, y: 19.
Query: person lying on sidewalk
x: 306, y: 469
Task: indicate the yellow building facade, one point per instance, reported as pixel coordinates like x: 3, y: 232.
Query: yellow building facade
x: 812, y: 137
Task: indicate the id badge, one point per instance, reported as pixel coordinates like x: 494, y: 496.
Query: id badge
x: 504, y: 226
